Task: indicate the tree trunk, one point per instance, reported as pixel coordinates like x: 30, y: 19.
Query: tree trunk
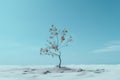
x: 59, y: 61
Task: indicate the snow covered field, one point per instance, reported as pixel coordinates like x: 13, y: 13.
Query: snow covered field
x: 69, y: 72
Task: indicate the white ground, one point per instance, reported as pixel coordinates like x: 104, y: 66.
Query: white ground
x: 90, y: 72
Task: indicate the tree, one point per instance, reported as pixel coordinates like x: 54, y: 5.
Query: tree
x: 58, y: 39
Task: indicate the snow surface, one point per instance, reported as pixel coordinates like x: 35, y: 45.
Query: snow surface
x: 72, y: 72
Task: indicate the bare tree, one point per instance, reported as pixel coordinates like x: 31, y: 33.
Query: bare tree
x: 58, y: 39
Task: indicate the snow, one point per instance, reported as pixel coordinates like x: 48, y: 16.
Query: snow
x: 69, y: 72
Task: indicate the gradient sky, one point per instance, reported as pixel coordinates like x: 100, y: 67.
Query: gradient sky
x: 94, y: 25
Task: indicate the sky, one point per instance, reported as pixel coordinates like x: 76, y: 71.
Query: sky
x: 93, y: 24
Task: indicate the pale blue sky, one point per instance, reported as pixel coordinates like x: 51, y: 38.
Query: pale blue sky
x: 94, y: 25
